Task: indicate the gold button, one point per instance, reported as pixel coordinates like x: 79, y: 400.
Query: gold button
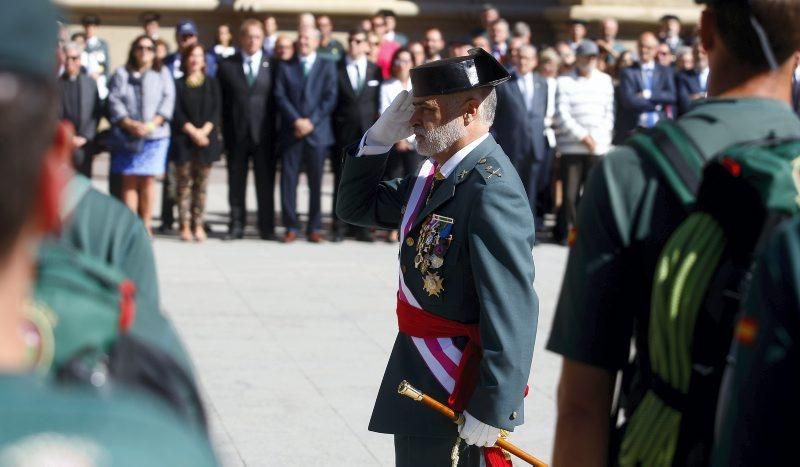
x: 403, y: 268
x: 514, y: 415
x: 482, y: 161
x: 410, y: 241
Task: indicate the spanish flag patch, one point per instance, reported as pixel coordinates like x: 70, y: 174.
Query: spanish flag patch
x: 572, y: 237
x: 746, y: 331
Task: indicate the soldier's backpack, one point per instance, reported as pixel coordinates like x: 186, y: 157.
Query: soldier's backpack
x: 732, y: 202
x: 82, y: 311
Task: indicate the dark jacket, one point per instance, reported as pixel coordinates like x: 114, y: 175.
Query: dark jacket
x: 196, y: 106
x: 247, y: 111
x: 633, y: 105
x: 487, y: 274
x: 312, y: 97
x: 519, y: 131
x: 89, y: 110
x: 355, y: 112
x: 687, y: 83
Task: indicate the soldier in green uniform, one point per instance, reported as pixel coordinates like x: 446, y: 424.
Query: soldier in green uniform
x: 44, y: 424
x: 101, y: 226
x: 627, y: 213
x: 466, y: 308
x: 759, y: 408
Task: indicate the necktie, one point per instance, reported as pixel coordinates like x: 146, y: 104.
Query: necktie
x: 306, y: 67
x: 652, y: 117
x: 358, y: 80
x: 438, y: 177
x: 251, y: 72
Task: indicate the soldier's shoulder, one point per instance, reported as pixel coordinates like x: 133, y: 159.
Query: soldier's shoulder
x: 45, y: 416
x: 492, y: 169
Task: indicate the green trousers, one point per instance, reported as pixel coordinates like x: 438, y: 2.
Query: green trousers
x: 418, y: 451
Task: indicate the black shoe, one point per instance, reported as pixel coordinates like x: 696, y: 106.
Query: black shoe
x: 268, y: 236
x: 165, y: 228
x: 365, y: 236
x: 236, y: 232
x: 337, y: 237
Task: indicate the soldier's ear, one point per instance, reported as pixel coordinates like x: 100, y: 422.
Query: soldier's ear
x: 56, y: 173
x: 707, y: 31
x: 471, y: 108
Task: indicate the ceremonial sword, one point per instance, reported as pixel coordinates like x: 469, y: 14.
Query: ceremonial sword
x: 410, y: 391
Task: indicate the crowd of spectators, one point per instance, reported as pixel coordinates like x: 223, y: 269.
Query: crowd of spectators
x: 284, y: 104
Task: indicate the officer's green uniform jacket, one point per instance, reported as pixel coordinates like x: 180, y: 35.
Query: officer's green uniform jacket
x: 47, y: 425
x: 760, y: 399
x: 104, y: 228
x: 488, y: 279
x: 625, y: 216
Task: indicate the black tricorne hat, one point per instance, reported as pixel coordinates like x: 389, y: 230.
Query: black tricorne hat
x: 476, y: 70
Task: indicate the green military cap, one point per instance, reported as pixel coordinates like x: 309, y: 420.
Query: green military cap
x: 28, y: 37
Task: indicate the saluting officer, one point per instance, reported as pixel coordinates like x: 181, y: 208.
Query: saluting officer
x: 628, y: 212
x: 466, y: 308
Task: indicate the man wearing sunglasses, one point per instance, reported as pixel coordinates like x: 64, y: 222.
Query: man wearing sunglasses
x: 356, y: 110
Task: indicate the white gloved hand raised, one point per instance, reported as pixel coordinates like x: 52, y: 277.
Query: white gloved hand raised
x: 477, y: 433
x: 392, y: 126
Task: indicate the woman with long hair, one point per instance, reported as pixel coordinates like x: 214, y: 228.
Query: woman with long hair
x: 141, y: 102
x: 195, y: 141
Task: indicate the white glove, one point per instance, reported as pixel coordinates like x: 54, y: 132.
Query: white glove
x: 393, y: 126
x: 477, y: 433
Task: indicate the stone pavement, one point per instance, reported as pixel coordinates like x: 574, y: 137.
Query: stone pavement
x: 291, y: 341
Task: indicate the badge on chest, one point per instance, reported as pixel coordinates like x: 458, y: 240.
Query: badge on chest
x: 435, y: 237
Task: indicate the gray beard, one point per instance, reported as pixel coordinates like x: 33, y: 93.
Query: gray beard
x: 440, y: 138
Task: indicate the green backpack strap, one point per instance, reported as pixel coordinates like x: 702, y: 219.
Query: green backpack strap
x: 667, y: 148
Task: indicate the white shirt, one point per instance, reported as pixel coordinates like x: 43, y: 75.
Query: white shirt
x: 356, y: 71
x: 249, y: 61
x: 584, y: 107
x: 704, y: 78
x: 450, y: 165
x: 223, y: 51
x: 649, y: 67
x: 269, y: 44
x: 526, y: 87
x: 389, y: 36
x: 308, y: 60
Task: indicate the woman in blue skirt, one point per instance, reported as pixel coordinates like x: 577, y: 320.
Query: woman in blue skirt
x: 141, y: 102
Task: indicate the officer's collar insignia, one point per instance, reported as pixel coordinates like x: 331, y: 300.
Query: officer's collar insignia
x: 493, y: 172
x: 462, y: 174
x: 433, y: 284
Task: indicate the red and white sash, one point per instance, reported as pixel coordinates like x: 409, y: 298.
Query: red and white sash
x: 440, y: 354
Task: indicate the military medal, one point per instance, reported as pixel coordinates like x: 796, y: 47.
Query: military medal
x: 433, y: 284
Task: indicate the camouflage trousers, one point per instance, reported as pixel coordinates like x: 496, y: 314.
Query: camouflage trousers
x: 192, y: 177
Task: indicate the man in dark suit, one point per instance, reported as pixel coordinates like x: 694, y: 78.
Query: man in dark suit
x: 519, y: 123
x: 647, y: 89
x: 248, y: 129
x: 691, y: 85
x: 356, y: 110
x: 305, y: 93
x: 80, y: 105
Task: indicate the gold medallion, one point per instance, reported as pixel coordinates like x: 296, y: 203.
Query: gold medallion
x: 433, y: 284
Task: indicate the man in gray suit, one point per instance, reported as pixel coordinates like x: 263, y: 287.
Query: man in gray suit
x: 81, y: 106
x: 519, y: 124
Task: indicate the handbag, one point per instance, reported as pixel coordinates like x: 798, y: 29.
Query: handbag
x: 122, y: 141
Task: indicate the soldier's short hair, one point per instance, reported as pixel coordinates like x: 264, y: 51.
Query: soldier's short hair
x: 250, y: 23
x: 779, y: 18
